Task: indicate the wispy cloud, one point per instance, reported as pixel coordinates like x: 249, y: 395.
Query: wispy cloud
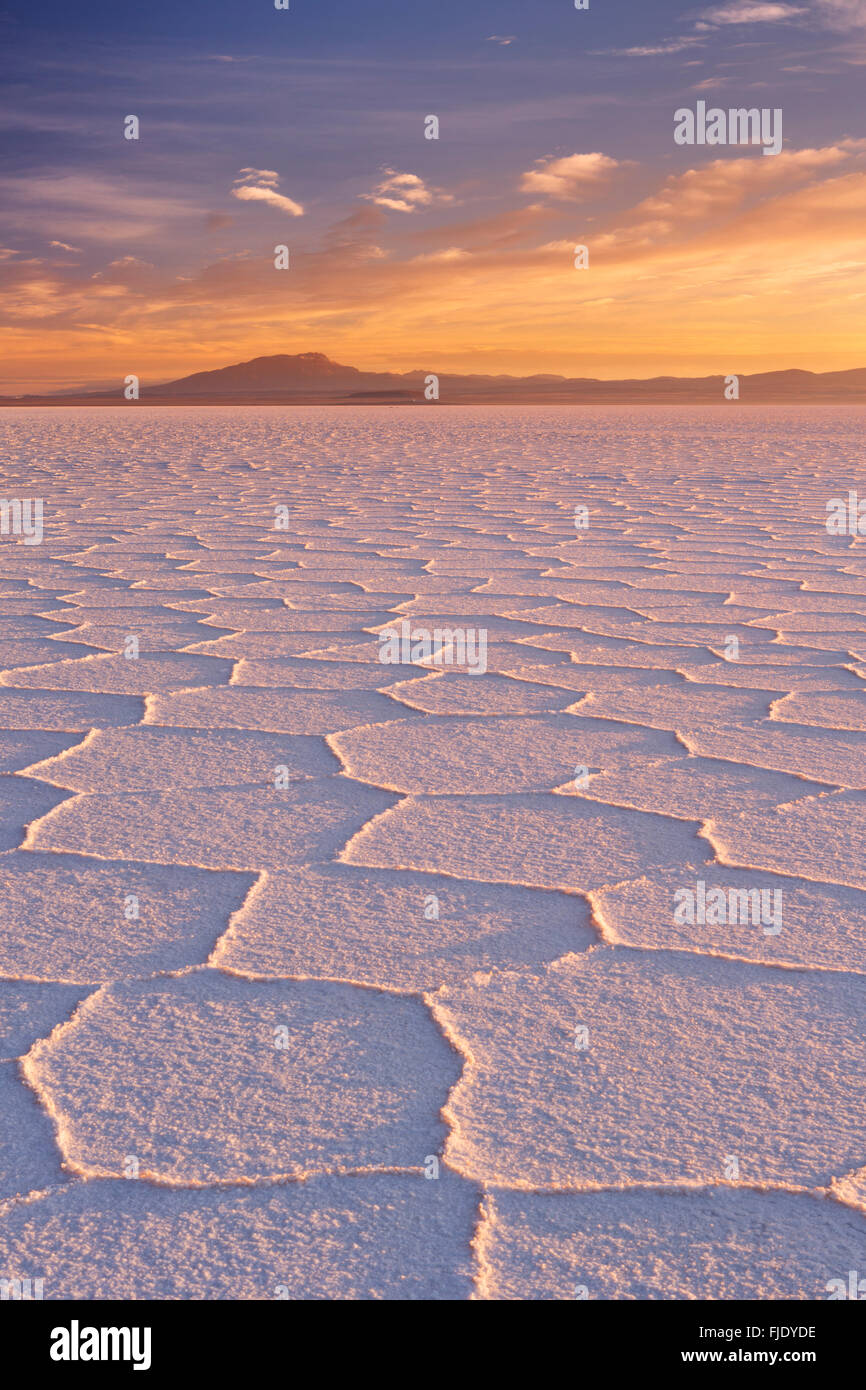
x: 662, y: 49
x: 718, y: 188
x: 450, y: 253
x: 62, y: 246
x: 405, y: 193
x: 568, y: 176
x: 92, y: 206
x: 751, y: 12
x: 259, y: 186
x: 259, y: 175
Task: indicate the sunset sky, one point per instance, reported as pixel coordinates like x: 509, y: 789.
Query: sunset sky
x: 305, y: 127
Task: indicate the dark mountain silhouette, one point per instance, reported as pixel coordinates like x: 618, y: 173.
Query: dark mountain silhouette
x: 303, y: 371
x: 310, y: 377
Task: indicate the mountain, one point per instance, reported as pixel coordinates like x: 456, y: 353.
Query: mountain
x: 311, y: 377
x: 305, y: 371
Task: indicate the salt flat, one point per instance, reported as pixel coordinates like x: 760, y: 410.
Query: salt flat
x: 329, y: 977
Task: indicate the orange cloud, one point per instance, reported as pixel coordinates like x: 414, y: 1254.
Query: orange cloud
x: 569, y: 176
x: 405, y: 193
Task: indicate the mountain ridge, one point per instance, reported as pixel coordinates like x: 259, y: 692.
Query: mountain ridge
x: 310, y: 377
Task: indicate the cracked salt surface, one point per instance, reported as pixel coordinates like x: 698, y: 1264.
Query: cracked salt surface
x: 285, y: 929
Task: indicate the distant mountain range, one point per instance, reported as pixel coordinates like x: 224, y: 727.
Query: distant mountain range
x: 312, y: 378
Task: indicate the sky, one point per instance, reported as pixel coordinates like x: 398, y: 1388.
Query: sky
x: 305, y: 128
